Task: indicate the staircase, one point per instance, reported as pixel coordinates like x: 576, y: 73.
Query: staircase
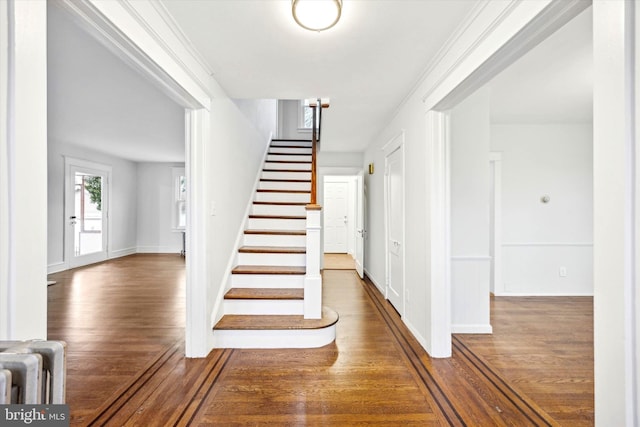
x: 265, y: 305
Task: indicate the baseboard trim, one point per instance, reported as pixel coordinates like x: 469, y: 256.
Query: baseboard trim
x: 375, y: 283
x: 56, y: 267
x: 158, y: 250
x: 471, y: 329
x: 122, y: 252
x: 543, y: 294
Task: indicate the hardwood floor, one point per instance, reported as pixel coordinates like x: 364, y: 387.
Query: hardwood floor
x: 339, y: 262
x: 123, y: 321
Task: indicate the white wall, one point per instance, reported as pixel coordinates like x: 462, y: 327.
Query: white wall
x: 411, y: 119
x: 538, y: 239
x: 233, y: 161
x: 123, y: 203
x: 262, y: 113
x: 156, y: 202
x: 470, y: 261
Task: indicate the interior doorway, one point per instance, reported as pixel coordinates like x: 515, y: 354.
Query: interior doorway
x: 343, y: 222
x: 394, y: 219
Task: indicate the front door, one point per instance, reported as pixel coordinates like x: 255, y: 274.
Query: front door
x: 335, y: 216
x: 86, y: 215
x: 395, y: 229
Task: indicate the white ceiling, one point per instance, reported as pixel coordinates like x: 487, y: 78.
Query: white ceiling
x: 97, y: 101
x: 367, y: 64
x: 552, y: 83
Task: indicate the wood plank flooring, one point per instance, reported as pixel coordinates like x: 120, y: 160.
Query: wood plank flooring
x: 123, y: 321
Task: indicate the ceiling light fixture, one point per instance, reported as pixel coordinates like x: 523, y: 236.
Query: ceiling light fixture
x: 316, y: 15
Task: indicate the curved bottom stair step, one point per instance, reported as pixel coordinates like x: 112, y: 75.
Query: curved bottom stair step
x: 275, y: 331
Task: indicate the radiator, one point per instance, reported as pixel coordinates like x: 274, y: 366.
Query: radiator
x: 32, y: 372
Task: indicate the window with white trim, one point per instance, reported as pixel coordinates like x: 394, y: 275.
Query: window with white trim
x: 179, y: 214
x: 305, y: 116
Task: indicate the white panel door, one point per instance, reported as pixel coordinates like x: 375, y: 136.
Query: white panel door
x: 335, y: 216
x: 395, y: 229
x: 360, y: 229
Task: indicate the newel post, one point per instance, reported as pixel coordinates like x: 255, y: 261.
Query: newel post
x: 313, y: 279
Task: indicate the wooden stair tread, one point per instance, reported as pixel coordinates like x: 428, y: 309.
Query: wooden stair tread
x: 289, y: 161
x: 273, y: 249
x: 261, y: 190
x: 284, y: 180
x: 273, y: 322
x: 277, y: 217
x: 269, y: 269
x: 281, y: 203
x: 265, y: 294
x: 278, y: 232
x: 289, y: 154
x: 286, y: 170
x: 290, y: 146
x: 290, y: 140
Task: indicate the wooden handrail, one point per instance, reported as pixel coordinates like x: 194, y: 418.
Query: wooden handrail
x: 314, y: 145
x: 315, y: 142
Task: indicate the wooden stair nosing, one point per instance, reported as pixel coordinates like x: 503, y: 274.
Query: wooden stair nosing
x: 285, y: 170
x: 302, y: 162
x: 257, y: 202
x: 283, y: 180
x: 277, y: 232
x: 265, y: 294
x: 263, y: 190
x: 277, y: 322
x: 269, y: 269
x: 291, y: 140
x: 277, y: 217
x: 289, y: 146
x: 289, y: 154
x: 273, y: 250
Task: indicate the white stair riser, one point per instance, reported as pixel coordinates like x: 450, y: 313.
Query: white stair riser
x: 307, y: 338
x: 287, y: 281
x: 283, y: 197
x: 289, y: 166
x: 291, y: 143
x: 288, y: 158
x: 274, y: 240
x: 289, y: 210
x: 298, y: 260
x: 286, y: 175
x: 264, y: 307
x: 277, y: 224
x: 289, y: 150
x: 284, y: 185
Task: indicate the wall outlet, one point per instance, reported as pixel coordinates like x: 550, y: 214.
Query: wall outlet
x: 562, y: 272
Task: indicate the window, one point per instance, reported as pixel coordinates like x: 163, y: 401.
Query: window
x: 179, y: 199
x: 306, y: 116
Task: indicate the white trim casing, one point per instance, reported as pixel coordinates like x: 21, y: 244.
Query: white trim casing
x: 198, y: 335
x: 615, y: 198
x: 23, y: 162
x: 6, y: 66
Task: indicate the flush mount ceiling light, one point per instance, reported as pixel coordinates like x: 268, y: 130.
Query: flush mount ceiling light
x: 316, y: 15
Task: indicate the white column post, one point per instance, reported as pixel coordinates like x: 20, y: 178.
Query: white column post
x: 313, y: 279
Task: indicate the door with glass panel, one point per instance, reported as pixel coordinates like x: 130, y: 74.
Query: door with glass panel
x: 86, y: 215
